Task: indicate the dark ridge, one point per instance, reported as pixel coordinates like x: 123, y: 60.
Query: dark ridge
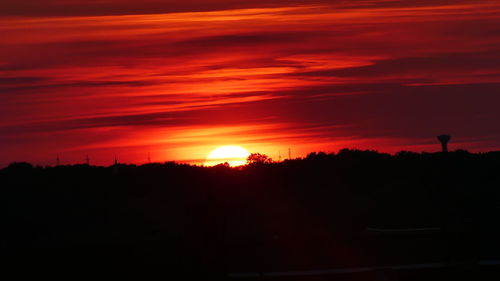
x: 352, y: 209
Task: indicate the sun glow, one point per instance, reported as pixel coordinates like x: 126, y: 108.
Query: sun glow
x: 234, y: 155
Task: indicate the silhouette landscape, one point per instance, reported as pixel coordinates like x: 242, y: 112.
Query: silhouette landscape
x: 249, y: 140
x: 356, y: 213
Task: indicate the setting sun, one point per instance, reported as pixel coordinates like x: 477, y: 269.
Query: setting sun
x: 234, y: 155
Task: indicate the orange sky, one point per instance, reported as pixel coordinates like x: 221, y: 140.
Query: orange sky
x: 106, y: 77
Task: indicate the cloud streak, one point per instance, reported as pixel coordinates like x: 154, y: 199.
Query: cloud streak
x: 385, y: 75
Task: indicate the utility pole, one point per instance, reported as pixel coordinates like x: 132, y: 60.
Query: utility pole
x: 115, y: 167
x: 58, y: 161
x: 289, y: 154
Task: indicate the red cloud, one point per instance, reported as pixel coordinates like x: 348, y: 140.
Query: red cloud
x: 374, y: 74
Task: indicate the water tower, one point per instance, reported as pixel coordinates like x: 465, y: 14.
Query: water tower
x: 444, y: 139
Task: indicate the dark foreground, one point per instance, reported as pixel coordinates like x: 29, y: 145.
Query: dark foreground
x: 356, y: 215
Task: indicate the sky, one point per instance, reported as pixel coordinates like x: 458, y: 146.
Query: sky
x: 176, y: 79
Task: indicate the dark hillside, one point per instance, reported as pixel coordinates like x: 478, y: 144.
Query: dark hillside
x: 351, y: 209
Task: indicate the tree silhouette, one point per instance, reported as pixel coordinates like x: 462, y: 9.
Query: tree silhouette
x: 257, y: 158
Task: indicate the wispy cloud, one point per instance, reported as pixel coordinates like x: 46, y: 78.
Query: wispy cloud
x: 380, y: 74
